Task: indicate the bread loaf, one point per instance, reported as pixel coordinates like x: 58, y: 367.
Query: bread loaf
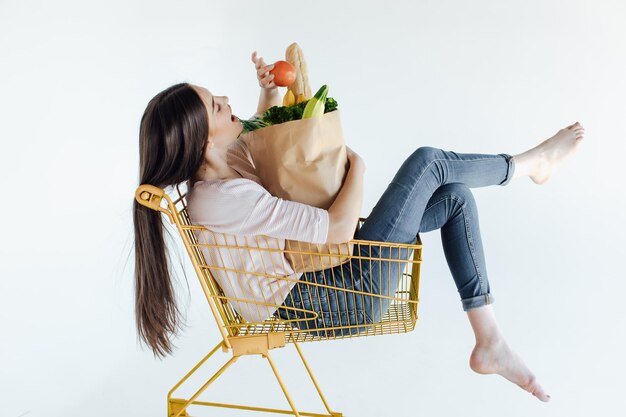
x: 300, y: 88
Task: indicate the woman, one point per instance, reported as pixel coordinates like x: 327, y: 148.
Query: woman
x: 188, y: 134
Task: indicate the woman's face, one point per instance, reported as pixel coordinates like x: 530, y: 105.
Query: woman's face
x: 224, y: 127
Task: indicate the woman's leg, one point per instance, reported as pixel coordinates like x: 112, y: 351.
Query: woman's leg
x: 397, y: 215
x: 492, y: 354
x: 395, y: 218
x: 415, y: 183
x: 453, y: 209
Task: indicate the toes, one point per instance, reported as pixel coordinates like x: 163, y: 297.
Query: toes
x: 535, y: 389
x: 531, y: 385
x: 544, y: 398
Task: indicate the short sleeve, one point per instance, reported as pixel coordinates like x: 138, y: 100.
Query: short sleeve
x: 243, y: 207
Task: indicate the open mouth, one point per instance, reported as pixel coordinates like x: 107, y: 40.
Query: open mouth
x: 234, y: 118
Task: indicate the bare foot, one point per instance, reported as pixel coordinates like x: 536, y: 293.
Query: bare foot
x: 498, y: 358
x: 553, y: 151
x: 541, y: 161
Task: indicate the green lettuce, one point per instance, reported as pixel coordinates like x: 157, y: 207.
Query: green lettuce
x: 281, y: 114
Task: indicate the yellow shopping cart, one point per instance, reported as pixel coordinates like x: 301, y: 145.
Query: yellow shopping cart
x: 243, y: 337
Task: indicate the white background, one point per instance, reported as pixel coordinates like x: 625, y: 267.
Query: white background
x: 480, y: 76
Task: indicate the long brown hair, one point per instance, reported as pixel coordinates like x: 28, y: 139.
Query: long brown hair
x: 172, y: 136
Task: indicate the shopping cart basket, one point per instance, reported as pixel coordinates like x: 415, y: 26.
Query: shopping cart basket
x: 243, y: 337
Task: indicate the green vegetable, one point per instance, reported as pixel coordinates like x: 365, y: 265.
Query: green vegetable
x: 253, y: 124
x: 281, y: 114
x: 315, y: 106
x: 330, y: 105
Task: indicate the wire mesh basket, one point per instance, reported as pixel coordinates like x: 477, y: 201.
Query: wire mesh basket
x: 223, y: 266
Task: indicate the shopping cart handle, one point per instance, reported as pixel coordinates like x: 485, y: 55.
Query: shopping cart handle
x: 150, y: 196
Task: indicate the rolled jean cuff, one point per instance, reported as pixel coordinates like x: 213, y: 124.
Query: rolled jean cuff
x: 478, y: 301
x: 510, y: 170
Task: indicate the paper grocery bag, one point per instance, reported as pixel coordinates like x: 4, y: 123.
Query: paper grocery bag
x: 305, y: 161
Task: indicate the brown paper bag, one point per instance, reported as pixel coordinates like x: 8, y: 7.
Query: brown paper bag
x: 304, y: 161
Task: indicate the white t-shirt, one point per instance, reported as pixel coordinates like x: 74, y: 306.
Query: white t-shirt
x: 241, y: 212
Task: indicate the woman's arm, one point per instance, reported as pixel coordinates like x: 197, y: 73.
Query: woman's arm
x: 268, y: 98
x: 269, y: 95
x: 344, y: 213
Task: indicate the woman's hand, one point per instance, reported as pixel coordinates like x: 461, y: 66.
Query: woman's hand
x: 266, y: 80
x: 355, y: 159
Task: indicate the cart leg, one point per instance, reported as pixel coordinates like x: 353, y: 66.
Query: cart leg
x: 282, y: 385
x: 317, y: 387
x: 199, y: 364
x: 175, y: 408
x: 205, y: 386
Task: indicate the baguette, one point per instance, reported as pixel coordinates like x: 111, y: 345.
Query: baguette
x: 300, y: 87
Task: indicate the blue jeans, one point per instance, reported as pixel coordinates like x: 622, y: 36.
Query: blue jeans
x: 430, y: 191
